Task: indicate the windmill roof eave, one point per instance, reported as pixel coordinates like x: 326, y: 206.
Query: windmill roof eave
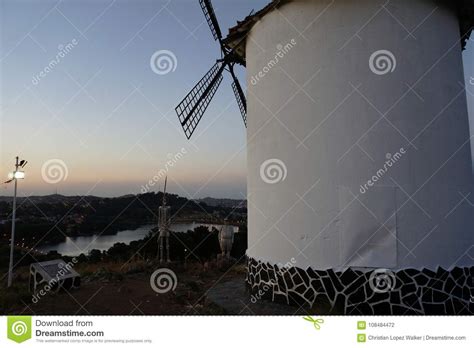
x: 237, y: 36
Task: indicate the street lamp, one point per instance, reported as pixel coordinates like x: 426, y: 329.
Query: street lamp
x: 17, y: 174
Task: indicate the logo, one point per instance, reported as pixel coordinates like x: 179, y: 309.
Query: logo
x: 19, y: 328
x: 382, y: 280
x: 382, y: 62
x: 163, y: 62
x: 54, y: 170
x: 163, y: 280
x: 273, y: 171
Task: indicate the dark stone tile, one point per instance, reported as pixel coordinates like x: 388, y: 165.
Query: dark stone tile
x: 312, y: 274
x: 328, y: 287
x: 357, y: 296
x: 322, y: 299
x: 288, y: 280
x: 428, y: 273
x: 296, y: 278
x: 378, y: 296
x: 414, y: 291
x: 441, y: 273
x: 365, y: 309
x: 457, y: 272
x: 411, y: 272
x: 434, y: 308
x: 321, y: 273
x: 439, y: 296
x: 280, y: 298
x: 353, y: 310
x: 466, y: 293
x: 427, y: 295
x: 435, y: 284
x: 449, y: 285
x: 412, y: 301
x: 339, y: 305
x: 310, y: 294
x: 458, y: 305
x: 360, y: 282
x: 395, y: 297
x: 448, y: 307
x: 457, y: 291
x: 407, y: 289
x: 297, y: 299
x: 335, y: 281
x: 348, y: 277
x: 304, y: 276
x: 317, y: 285
x: 421, y: 279
x: 301, y: 289
x: 399, y: 310
x: 404, y: 278
x: 383, y: 308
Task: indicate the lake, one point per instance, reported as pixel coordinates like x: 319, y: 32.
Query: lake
x: 74, y: 246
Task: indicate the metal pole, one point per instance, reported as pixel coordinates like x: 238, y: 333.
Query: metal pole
x: 12, y: 241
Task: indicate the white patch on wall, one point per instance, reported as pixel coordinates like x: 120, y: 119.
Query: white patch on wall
x: 368, y: 227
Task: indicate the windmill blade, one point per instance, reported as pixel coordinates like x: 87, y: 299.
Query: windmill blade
x: 241, y: 101
x: 211, y: 18
x: 193, y: 106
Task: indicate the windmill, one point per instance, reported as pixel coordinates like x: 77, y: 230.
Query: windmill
x: 191, y: 109
x: 163, y: 226
x: 344, y: 84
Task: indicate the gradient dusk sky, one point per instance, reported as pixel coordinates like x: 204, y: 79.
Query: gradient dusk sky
x: 104, y: 112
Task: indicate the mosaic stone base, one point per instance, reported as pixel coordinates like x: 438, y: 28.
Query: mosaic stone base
x: 381, y: 292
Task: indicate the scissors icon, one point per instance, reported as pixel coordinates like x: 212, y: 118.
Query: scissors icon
x: 316, y: 322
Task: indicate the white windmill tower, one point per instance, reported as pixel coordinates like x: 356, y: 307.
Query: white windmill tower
x: 163, y: 226
x: 359, y: 165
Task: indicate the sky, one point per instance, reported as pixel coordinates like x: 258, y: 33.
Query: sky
x: 101, y: 121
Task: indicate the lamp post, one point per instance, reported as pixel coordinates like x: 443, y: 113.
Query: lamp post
x: 17, y: 174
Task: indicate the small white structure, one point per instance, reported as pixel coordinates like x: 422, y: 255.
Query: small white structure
x: 53, y: 275
x: 359, y: 150
x: 163, y: 226
x: 226, y: 239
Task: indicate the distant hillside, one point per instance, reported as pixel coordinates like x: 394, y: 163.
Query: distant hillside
x: 53, y: 217
x: 223, y: 202
x: 50, y: 199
